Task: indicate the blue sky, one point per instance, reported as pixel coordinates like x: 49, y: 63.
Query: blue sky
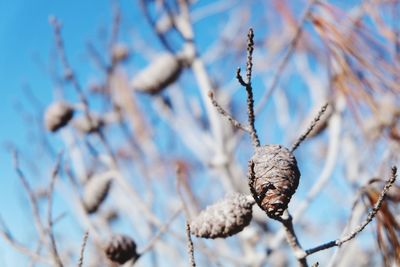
x: 26, y: 39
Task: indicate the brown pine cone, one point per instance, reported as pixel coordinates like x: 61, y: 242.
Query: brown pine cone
x: 121, y: 248
x: 224, y: 218
x: 58, y: 115
x: 273, y: 178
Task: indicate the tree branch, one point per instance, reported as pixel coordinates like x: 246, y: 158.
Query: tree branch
x: 310, y: 128
x: 361, y: 227
x: 190, y: 246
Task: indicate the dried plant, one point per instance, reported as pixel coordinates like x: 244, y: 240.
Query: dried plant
x: 325, y: 79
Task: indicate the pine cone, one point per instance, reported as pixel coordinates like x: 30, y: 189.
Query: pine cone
x: 273, y: 178
x: 58, y: 115
x: 224, y: 218
x: 158, y: 75
x: 121, y: 249
x: 95, y: 192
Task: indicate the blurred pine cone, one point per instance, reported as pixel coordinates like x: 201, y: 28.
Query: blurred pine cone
x: 95, y: 192
x: 87, y: 125
x: 159, y: 74
x: 274, y: 177
x: 224, y: 218
x: 121, y: 249
x: 57, y: 115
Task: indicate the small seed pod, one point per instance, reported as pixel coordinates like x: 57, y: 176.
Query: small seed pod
x: 121, y: 249
x: 224, y: 218
x: 120, y: 52
x: 87, y: 126
x: 273, y: 178
x: 58, y: 115
x: 95, y: 192
x: 158, y: 75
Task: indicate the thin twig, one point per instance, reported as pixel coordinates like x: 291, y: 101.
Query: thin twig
x: 161, y: 231
x: 68, y: 72
x: 116, y: 24
x: 6, y: 235
x: 95, y: 55
x: 225, y: 113
x: 190, y: 246
x: 85, y: 238
x: 32, y: 198
x: 247, y: 85
x: 150, y: 20
x: 179, y: 180
x: 361, y: 227
x: 292, y: 239
x: 292, y: 45
x: 310, y: 128
x: 54, y: 174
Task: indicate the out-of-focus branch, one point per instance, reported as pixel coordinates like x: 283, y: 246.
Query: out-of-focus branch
x: 69, y: 74
x: 152, y: 23
x: 281, y: 67
x: 161, y: 231
x: 54, y: 174
x: 34, y: 255
x: 32, y: 199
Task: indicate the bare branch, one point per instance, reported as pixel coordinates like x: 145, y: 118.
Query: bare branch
x: 361, y: 227
x: 292, y: 239
x: 54, y: 174
x: 69, y: 74
x: 161, y: 231
x: 240, y: 78
x: 292, y: 45
x: 6, y: 235
x: 32, y: 198
x: 310, y: 128
x: 224, y: 113
x: 190, y: 246
x: 248, y: 87
x: 85, y: 238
